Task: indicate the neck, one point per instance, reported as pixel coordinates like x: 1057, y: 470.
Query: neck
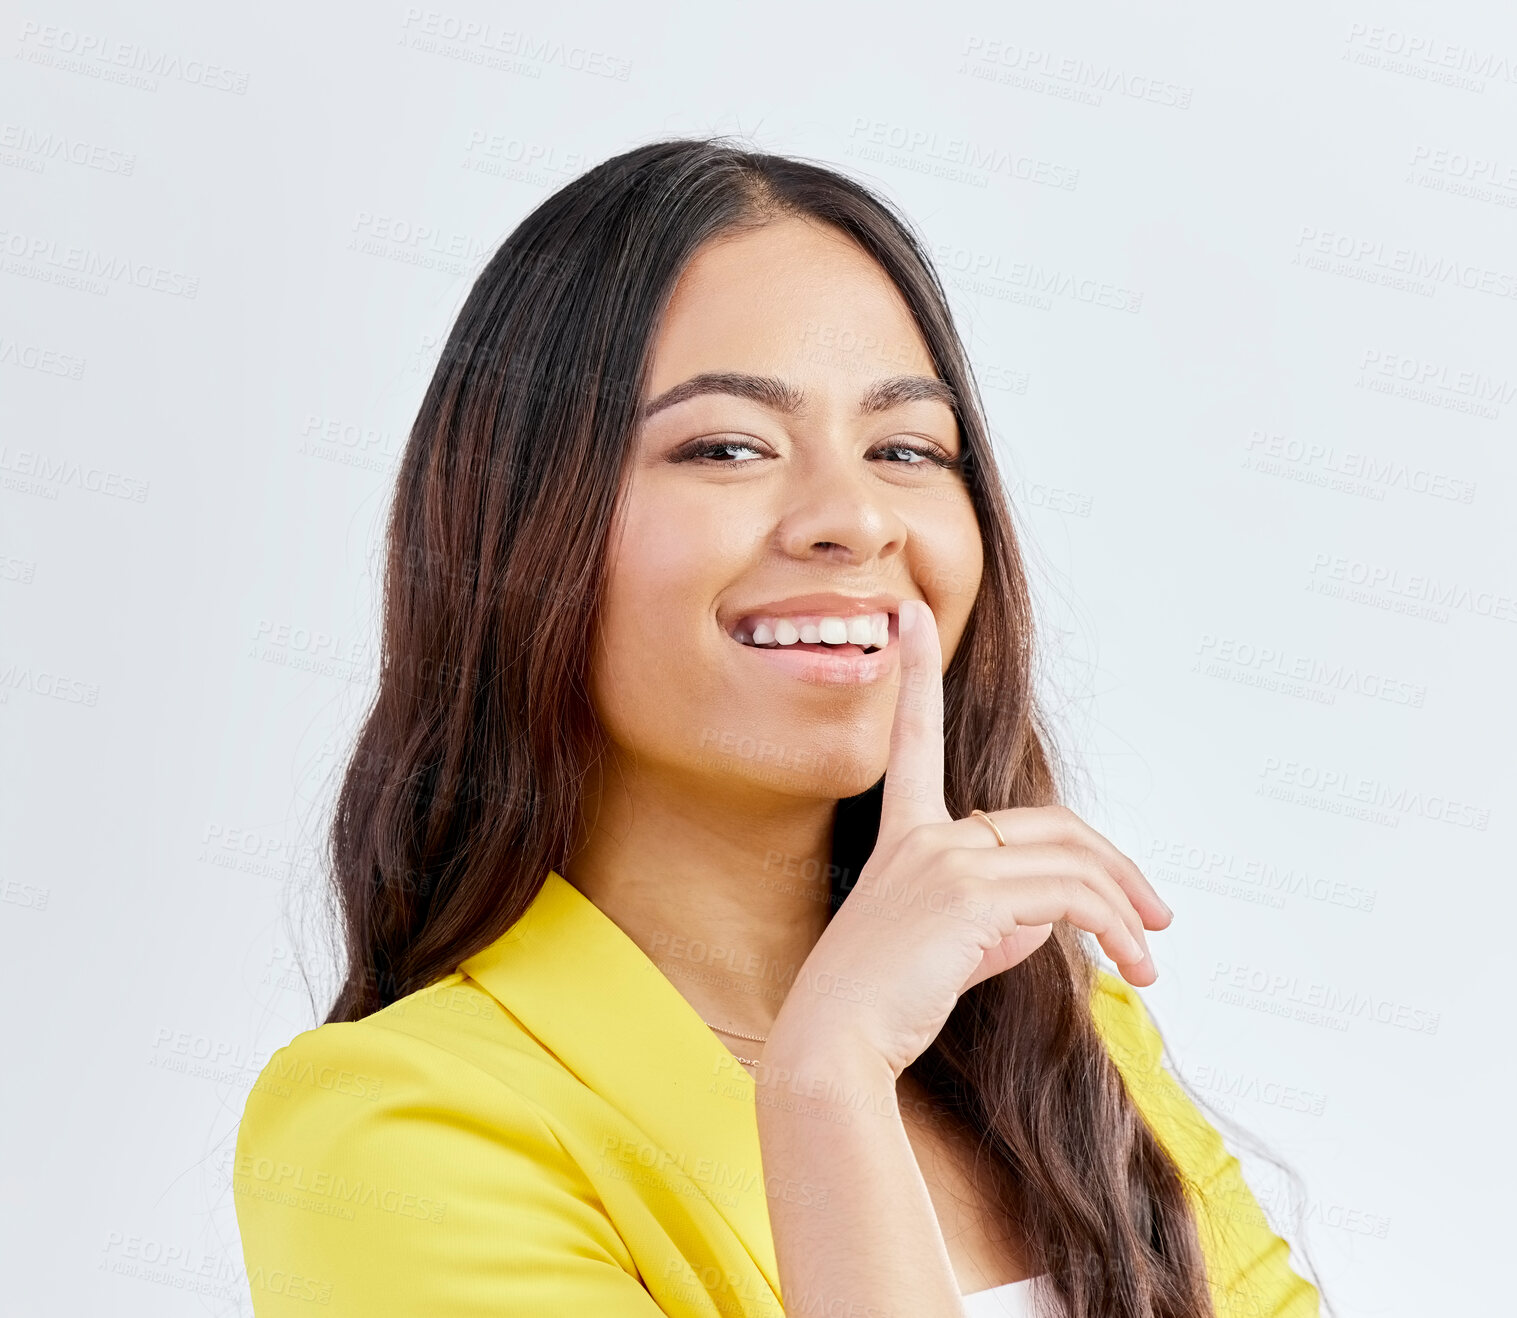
x: 726, y: 892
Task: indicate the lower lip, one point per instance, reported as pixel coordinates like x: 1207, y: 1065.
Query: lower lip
x: 828, y: 668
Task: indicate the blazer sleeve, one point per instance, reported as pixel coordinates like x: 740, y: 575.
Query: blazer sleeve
x: 1248, y: 1265
x: 377, y: 1174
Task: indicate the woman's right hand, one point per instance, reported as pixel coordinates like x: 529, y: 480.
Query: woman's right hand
x: 941, y: 905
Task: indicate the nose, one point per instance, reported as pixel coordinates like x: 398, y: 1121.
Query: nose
x: 836, y: 510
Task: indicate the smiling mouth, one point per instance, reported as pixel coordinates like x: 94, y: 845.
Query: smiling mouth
x: 819, y: 634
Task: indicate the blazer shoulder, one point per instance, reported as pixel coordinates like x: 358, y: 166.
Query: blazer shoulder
x: 391, y: 1160
x: 1129, y: 1032
x: 446, y: 1036
x: 1137, y: 1048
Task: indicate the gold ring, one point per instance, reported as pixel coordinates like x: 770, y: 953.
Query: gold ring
x: 980, y: 814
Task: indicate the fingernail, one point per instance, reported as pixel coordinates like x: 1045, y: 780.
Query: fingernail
x: 906, y: 617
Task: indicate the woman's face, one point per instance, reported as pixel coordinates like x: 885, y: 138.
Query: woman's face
x: 750, y: 516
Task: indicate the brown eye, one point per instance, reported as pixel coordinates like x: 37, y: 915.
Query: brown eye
x: 703, y: 451
x: 926, y: 456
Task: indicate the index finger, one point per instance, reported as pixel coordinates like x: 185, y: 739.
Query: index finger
x: 913, y: 792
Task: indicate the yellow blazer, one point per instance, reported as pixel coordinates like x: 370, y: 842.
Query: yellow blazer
x: 551, y: 1130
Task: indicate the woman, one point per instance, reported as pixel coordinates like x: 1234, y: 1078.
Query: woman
x: 681, y: 976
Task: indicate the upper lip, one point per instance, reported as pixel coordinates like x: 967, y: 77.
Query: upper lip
x: 829, y: 603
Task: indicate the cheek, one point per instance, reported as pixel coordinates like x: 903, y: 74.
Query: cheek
x: 662, y: 581
x: 666, y: 572
x: 952, y: 563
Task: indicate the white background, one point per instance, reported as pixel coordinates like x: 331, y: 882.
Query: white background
x: 1268, y: 513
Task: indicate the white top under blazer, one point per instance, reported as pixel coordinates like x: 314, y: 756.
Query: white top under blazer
x: 1013, y: 1300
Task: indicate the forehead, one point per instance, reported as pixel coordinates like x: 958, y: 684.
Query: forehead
x: 796, y: 298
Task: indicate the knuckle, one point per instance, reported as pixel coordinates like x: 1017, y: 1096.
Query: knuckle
x: 1091, y: 862
x: 933, y: 836
x: 949, y: 871
x: 917, y: 841
x: 1127, y: 862
x: 961, y: 876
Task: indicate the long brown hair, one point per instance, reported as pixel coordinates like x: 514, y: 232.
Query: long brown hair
x: 463, y: 786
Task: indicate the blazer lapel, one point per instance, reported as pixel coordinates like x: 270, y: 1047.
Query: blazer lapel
x: 570, y: 974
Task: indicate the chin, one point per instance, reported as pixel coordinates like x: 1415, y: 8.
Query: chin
x: 769, y: 747
x: 815, y: 777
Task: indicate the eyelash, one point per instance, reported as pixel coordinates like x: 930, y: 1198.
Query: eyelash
x: 697, y: 452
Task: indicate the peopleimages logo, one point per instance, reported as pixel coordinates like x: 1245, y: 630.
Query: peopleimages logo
x: 53, y: 474
x: 990, y: 269
x: 1437, y: 375
x: 44, y: 146
x: 100, y: 56
x: 45, y: 256
x: 952, y: 157
x: 1080, y: 78
x: 1305, y: 783
x: 1415, y: 264
x: 1230, y: 981
x: 465, y: 39
x: 1432, y: 53
x: 1466, y: 166
x: 1379, y: 579
x: 1217, y: 870
x: 45, y: 361
x: 1279, y: 662
x: 1348, y: 471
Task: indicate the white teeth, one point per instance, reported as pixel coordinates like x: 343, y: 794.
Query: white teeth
x: 870, y: 631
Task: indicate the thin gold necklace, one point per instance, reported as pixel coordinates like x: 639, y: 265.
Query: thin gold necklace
x: 746, y: 1061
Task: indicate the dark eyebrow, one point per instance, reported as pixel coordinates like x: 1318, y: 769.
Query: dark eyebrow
x: 782, y: 397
